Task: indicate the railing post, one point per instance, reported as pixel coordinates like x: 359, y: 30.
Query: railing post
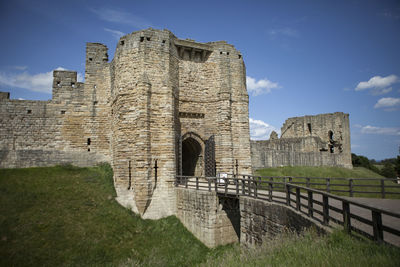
x: 237, y: 186
x: 270, y: 189
x: 209, y: 184
x: 310, y: 203
x: 377, y: 225
x: 308, y: 182
x: 249, y: 185
x: 255, y: 183
x: 383, y: 188
x: 288, y: 194
x: 351, y: 187
x: 346, y: 216
x: 186, y: 181
x: 325, y: 209
x: 226, y: 185
x: 243, y: 185
x: 197, y: 183
x: 216, y: 184
x: 298, y: 204
x: 328, y: 185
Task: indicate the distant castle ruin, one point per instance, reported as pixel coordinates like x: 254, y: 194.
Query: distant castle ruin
x: 321, y: 140
x: 163, y: 106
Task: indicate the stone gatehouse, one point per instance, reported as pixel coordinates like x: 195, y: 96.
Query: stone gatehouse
x: 162, y: 106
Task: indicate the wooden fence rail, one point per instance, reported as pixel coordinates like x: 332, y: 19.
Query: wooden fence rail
x: 317, y: 204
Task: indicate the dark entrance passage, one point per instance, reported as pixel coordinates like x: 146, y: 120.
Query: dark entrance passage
x: 192, y: 159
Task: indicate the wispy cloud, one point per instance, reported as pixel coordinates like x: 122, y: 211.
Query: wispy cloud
x: 389, y: 14
x: 263, y: 86
x: 389, y: 103
x: 380, y: 130
x: 41, y: 82
x: 260, y: 130
x: 286, y: 31
x: 378, y: 85
x: 20, y: 67
x: 121, y: 17
x: 116, y: 34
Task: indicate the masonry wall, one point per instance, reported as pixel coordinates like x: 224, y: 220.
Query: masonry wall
x: 262, y: 220
x: 212, y: 219
x: 320, y: 140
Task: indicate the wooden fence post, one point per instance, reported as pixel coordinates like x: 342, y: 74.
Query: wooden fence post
x: 351, y: 187
x: 325, y: 211
x: 346, y: 216
x: 377, y: 225
x: 270, y: 189
x: 237, y: 186
x: 383, y: 188
x: 288, y: 194
x: 328, y: 185
x: 197, y: 183
x: 308, y: 182
x: 310, y: 203
x: 298, y: 204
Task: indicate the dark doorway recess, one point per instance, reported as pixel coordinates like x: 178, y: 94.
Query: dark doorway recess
x: 191, y: 157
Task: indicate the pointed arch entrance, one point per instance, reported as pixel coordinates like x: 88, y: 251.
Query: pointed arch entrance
x: 192, y: 157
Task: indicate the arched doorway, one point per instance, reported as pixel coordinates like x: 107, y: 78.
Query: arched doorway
x: 192, y: 157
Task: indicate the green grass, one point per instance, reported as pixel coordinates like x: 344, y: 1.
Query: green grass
x: 67, y: 216
x: 335, y: 172
x: 309, y: 249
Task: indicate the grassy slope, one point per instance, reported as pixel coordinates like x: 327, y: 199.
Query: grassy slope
x: 335, y: 172
x: 68, y: 216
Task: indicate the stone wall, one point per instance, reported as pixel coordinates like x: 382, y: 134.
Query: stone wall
x: 213, y: 219
x: 135, y: 112
x: 321, y: 140
x: 262, y: 220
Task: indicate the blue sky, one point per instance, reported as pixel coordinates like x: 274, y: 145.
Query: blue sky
x: 302, y: 57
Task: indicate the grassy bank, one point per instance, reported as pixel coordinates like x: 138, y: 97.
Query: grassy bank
x: 63, y: 216
x: 335, y: 172
x: 68, y: 216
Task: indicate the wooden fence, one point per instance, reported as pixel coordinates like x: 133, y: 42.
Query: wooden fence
x: 377, y: 224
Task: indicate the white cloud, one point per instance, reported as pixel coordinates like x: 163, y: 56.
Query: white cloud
x: 387, y: 102
x: 116, y: 34
x: 20, y: 67
x: 381, y: 91
x: 263, y: 86
x: 380, y: 130
x: 378, y: 84
x: 41, y: 82
x: 260, y: 130
x: 286, y: 31
x: 120, y: 16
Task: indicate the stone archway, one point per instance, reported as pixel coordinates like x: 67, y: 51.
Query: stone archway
x: 192, y: 157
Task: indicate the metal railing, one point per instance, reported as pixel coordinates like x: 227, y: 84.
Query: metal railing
x: 375, y: 223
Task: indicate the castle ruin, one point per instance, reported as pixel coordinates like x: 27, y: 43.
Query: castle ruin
x: 162, y: 106
x: 320, y: 140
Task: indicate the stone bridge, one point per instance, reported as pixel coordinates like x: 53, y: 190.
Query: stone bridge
x: 251, y: 210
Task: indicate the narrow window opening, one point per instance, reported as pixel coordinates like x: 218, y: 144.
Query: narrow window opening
x: 148, y: 38
x: 122, y: 42
x: 163, y: 41
x: 220, y: 52
x: 227, y: 53
x: 95, y: 86
x: 309, y: 127
x: 90, y: 59
x: 58, y: 83
x: 88, y: 149
x: 63, y: 112
x: 141, y: 39
x: 88, y: 141
x: 73, y: 85
x: 240, y: 56
x: 29, y: 111
x: 95, y: 103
